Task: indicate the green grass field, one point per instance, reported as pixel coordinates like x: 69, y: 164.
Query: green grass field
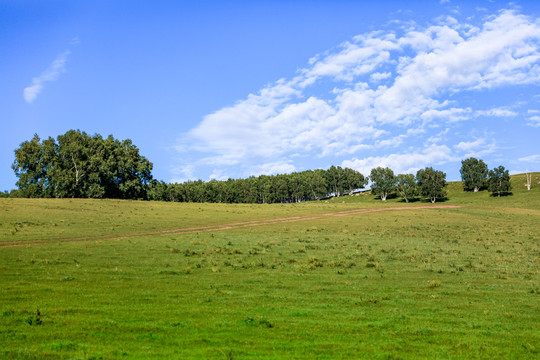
x: 107, y: 279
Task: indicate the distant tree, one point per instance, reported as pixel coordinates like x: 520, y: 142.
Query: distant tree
x: 528, y: 177
x: 431, y: 183
x: 158, y: 190
x: 474, y: 174
x: 353, y: 180
x: 280, y: 188
x: 334, y: 180
x: 406, y: 186
x: 383, y: 182
x: 499, y: 181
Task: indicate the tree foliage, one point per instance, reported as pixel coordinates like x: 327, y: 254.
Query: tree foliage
x: 474, y: 174
x: 406, y: 186
x: 499, y: 181
x: 383, y: 182
x: 431, y: 183
x: 81, y: 166
x: 264, y: 189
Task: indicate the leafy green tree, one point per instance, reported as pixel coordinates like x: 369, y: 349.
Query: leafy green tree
x: 499, y: 181
x: 353, y: 180
x: 280, y: 188
x: 474, y: 174
x: 431, y: 183
x: 33, y: 166
x: 79, y: 165
x: 406, y: 186
x: 383, y: 182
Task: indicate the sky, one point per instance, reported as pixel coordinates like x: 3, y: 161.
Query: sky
x: 229, y: 89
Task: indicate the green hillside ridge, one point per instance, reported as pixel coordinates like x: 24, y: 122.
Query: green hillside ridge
x: 349, y: 277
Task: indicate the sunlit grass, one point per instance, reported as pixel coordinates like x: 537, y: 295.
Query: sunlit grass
x: 426, y: 283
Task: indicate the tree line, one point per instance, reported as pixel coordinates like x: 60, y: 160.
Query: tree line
x: 430, y: 183
x: 77, y: 165
x: 264, y: 189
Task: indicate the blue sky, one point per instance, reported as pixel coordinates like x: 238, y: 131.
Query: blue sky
x: 218, y: 89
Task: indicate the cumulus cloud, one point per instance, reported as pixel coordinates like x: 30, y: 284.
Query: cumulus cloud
x: 278, y: 167
x: 404, y: 163
x: 476, y: 148
x: 52, y: 73
x: 388, y: 88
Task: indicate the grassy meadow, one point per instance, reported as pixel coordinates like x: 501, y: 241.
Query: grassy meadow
x: 108, y: 279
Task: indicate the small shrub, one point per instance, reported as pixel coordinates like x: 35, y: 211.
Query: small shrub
x: 34, y: 319
x: 189, y: 252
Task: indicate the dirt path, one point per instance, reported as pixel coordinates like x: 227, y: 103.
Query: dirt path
x: 237, y: 225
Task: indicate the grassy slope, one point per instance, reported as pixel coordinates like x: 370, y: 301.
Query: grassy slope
x: 448, y: 283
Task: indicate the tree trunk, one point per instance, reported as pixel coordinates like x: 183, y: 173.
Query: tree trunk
x: 76, y: 171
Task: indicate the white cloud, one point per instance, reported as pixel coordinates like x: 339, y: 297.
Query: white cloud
x: 406, y: 163
x: 534, y: 121
x: 477, y: 148
x: 468, y: 146
x: 51, y: 74
x: 378, y: 76
x: 183, y: 174
x: 497, y: 112
x: 278, y: 167
x: 422, y: 68
x: 452, y: 115
x: 530, y: 158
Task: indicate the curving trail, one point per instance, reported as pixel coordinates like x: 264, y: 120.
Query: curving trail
x: 191, y: 230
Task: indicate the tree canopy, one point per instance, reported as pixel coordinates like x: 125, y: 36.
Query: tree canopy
x: 406, y: 186
x: 499, y: 181
x: 474, y: 174
x: 383, y: 182
x: 77, y: 165
x: 264, y: 189
x: 431, y: 183
x: 81, y: 166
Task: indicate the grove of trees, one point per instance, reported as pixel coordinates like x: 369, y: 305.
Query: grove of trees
x: 264, y: 189
x: 475, y: 176
x: 77, y: 165
x: 81, y: 166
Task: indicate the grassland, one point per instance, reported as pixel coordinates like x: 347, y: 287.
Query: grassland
x: 123, y: 279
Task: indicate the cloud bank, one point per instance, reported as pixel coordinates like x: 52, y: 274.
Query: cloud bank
x: 387, y: 98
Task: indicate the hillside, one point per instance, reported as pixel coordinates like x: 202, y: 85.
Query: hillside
x: 350, y: 277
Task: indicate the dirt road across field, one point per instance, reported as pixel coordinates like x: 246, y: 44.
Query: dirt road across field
x: 237, y: 225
